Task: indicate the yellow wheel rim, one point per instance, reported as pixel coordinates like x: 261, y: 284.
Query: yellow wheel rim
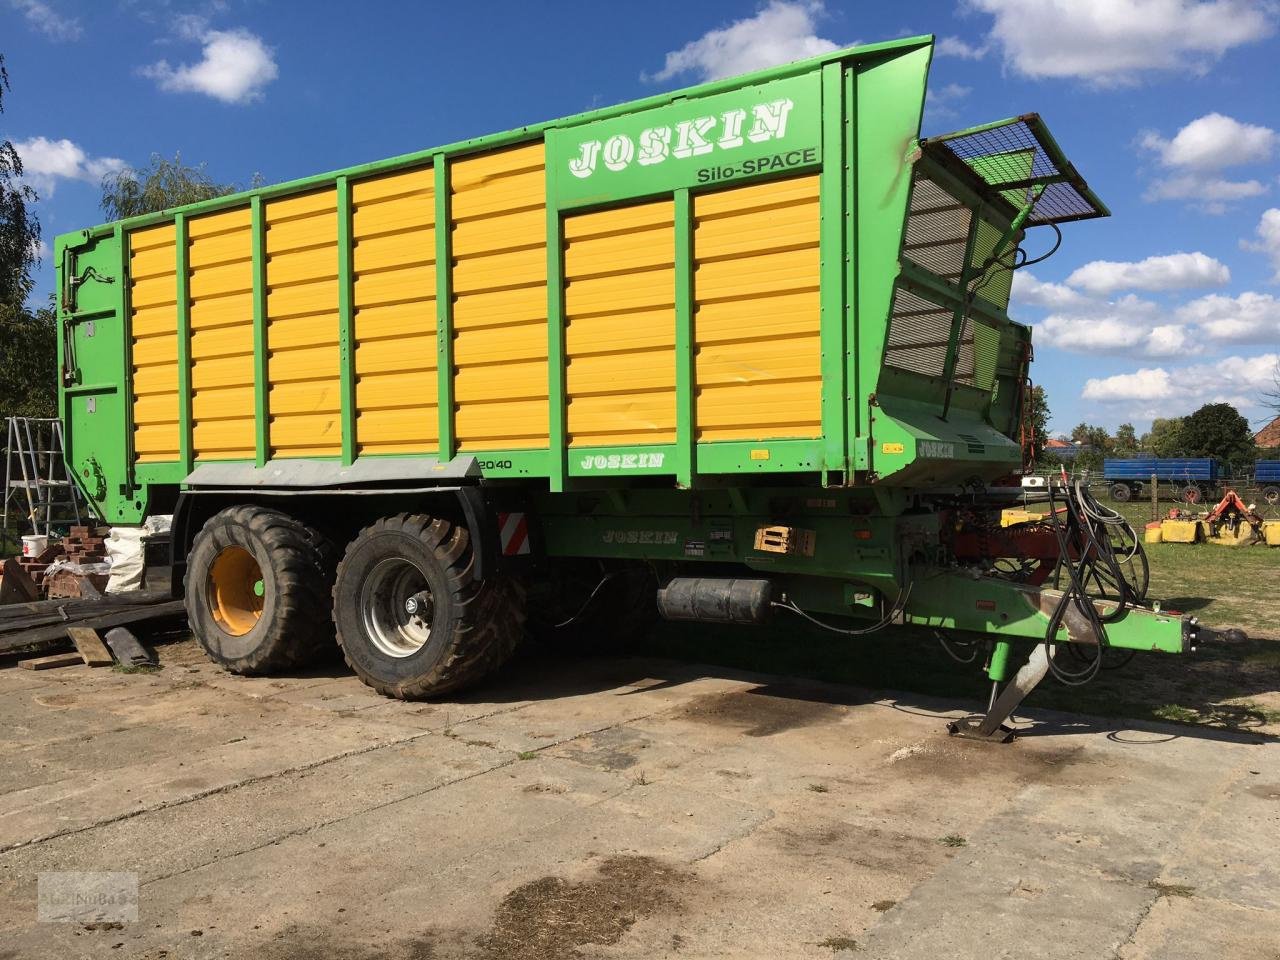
x: 235, y: 591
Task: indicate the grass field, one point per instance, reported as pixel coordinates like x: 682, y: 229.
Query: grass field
x: 1233, y: 682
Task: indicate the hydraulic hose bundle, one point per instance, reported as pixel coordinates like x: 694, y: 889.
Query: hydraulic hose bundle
x: 1101, y: 559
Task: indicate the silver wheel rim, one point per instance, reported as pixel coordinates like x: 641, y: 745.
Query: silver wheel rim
x: 397, y: 607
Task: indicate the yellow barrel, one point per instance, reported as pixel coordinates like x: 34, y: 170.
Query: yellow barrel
x: 1153, y: 534
x: 1271, y: 530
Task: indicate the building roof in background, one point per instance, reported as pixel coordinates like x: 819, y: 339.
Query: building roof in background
x: 1269, y: 436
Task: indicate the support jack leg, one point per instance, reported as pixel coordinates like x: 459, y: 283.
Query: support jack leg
x: 991, y: 727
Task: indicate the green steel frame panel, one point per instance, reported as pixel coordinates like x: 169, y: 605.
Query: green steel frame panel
x: 557, y: 385
x: 834, y: 271
x: 258, y: 233
x: 346, y: 323
x: 444, y: 307
x: 686, y: 450
x: 184, y: 342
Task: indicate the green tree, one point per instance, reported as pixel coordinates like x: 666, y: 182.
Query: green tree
x: 1126, y: 442
x: 1093, y: 442
x: 1039, y: 419
x: 1164, y: 439
x: 1218, y: 430
x: 28, y: 361
x: 165, y: 183
x: 19, y: 229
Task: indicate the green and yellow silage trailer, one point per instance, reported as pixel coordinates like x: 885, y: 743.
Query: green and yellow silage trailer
x: 738, y: 349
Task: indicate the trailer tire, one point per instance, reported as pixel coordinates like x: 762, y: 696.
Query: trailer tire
x: 1271, y: 495
x: 257, y: 590
x: 1121, y: 492
x: 459, y: 628
x: 1191, y: 493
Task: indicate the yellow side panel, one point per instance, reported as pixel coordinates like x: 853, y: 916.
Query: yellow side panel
x: 304, y: 390
x: 499, y: 280
x: 619, y: 268
x: 757, y: 368
x: 153, y: 326
x: 220, y: 258
x: 394, y: 303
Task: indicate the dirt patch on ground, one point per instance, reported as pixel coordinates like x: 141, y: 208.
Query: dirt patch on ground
x: 549, y: 918
x: 762, y: 712
x: 843, y: 844
x: 959, y: 760
x: 614, y: 749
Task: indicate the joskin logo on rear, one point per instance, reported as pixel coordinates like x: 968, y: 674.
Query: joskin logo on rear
x: 768, y: 128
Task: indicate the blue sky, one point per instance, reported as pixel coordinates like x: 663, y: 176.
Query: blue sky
x: 1167, y: 107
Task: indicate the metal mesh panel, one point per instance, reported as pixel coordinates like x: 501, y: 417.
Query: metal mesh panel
x: 1010, y: 155
x: 979, y: 354
x: 994, y: 286
x: 918, y: 333
x: 937, y: 229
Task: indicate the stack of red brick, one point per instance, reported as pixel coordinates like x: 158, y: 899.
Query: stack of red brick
x: 86, y: 544
x: 82, y: 545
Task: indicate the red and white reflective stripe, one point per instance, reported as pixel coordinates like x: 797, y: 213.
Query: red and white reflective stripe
x: 514, y: 533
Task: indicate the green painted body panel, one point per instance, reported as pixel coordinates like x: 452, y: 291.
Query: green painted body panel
x: 763, y: 128
x: 853, y: 116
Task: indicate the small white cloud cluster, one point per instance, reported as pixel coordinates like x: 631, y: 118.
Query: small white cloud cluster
x: 234, y: 67
x: 783, y: 30
x: 1114, y: 42
x: 1198, y: 153
x: 44, y: 19
x: 1081, y: 319
x: 1175, y: 271
x: 1268, y: 242
x: 45, y: 162
x: 1238, y: 380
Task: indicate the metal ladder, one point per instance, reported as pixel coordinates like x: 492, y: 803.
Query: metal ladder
x: 37, y: 483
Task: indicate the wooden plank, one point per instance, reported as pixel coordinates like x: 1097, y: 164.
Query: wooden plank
x: 48, y: 663
x: 80, y: 607
x: 91, y: 647
x: 115, y: 618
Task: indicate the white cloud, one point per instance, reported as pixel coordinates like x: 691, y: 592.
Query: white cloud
x: 39, y: 249
x: 1248, y: 318
x: 1268, y: 242
x: 43, y: 18
x: 1146, y: 384
x: 235, y: 66
x: 1238, y: 380
x: 1208, y: 194
x: 783, y: 30
x: 1175, y: 271
x: 1033, y: 292
x: 1198, y: 151
x: 1112, y: 42
x: 941, y: 100
x: 1126, y: 327
x: 45, y: 162
x: 955, y: 47
x: 1212, y: 142
x: 1135, y: 327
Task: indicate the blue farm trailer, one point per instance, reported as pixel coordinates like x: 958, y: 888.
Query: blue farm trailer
x: 1266, y: 474
x: 1193, y: 478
